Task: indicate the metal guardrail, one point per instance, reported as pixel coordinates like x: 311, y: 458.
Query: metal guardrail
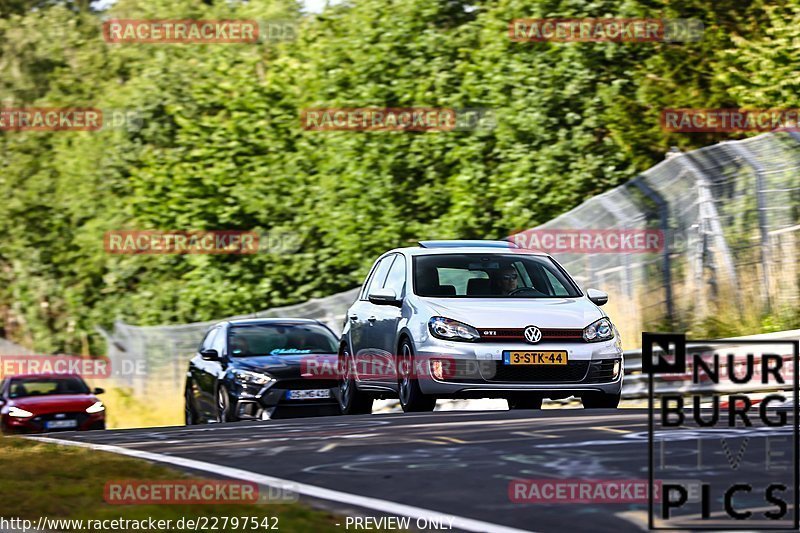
x: 635, y: 382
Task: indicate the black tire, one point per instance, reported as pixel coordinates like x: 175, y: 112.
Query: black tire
x: 600, y: 400
x: 190, y: 414
x: 351, y: 400
x: 224, y: 411
x: 412, y: 399
x: 525, y: 402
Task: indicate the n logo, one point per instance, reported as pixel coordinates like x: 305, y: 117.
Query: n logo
x: 669, y: 343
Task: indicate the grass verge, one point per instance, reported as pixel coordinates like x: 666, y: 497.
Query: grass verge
x: 68, y: 483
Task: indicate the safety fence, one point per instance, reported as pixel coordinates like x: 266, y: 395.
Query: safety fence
x: 635, y: 382
x: 730, y: 214
x: 9, y: 348
x: 164, y: 351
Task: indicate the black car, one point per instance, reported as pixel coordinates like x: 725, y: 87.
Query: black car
x: 257, y: 369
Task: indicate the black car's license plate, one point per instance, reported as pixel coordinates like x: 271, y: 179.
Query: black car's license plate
x: 308, y: 394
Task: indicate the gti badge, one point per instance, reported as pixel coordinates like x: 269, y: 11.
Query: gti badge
x: 533, y: 334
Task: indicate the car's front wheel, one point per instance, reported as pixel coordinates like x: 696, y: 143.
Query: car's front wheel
x: 190, y: 415
x: 600, y: 400
x: 224, y: 409
x: 412, y: 398
x: 351, y: 400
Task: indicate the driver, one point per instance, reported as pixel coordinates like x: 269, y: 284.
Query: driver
x: 507, y: 280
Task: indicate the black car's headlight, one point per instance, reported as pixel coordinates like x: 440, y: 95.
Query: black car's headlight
x: 452, y: 330
x: 600, y: 330
x: 247, y: 377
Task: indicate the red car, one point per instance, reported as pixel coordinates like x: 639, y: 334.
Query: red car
x: 44, y: 403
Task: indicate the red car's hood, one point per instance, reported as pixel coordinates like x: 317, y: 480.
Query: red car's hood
x: 56, y: 403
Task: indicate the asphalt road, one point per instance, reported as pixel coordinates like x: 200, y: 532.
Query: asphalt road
x: 461, y: 463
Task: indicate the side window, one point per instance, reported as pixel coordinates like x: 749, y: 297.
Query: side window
x: 397, y: 275
x: 378, y: 276
x: 208, y: 340
x: 371, y: 275
x: 219, y: 341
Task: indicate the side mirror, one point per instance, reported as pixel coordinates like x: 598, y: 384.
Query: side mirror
x: 98, y: 390
x: 384, y: 297
x: 210, y: 355
x: 597, y: 297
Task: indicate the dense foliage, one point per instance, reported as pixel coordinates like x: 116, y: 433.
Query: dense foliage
x: 219, y: 144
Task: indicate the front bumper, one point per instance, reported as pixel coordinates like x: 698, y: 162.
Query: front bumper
x: 480, y: 371
x: 270, y: 401
x: 38, y: 423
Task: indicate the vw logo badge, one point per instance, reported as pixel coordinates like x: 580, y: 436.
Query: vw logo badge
x: 533, y: 334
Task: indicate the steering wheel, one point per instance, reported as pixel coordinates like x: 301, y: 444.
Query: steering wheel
x: 521, y: 289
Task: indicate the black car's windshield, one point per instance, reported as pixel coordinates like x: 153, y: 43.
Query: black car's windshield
x: 40, y: 386
x: 490, y: 276
x: 280, y: 339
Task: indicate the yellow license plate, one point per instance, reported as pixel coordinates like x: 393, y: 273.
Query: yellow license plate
x: 535, y: 358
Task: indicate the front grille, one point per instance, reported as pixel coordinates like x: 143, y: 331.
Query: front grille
x: 42, y: 419
x: 304, y: 384
x: 572, y: 372
x: 518, y: 334
x: 471, y: 371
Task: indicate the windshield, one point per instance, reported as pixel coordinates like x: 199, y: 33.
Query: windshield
x: 280, y: 339
x: 21, y: 387
x: 491, y: 276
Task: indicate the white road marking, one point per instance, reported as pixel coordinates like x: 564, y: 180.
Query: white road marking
x: 612, y: 430
x: 328, y: 447
x: 384, y: 506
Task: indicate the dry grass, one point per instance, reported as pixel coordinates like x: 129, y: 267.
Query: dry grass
x: 68, y: 483
x: 125, y: 410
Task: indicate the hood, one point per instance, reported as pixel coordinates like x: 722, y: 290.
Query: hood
x: 566, y: 313
x: 55, y: 403
x: 287, y: 366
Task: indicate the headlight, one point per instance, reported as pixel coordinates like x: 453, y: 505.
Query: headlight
x: 96, y: 407
x: 601, y: 330
x: 246, y: 377
x: 19, y: 413
x: 452, y: 330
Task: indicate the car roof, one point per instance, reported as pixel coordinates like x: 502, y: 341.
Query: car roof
x: 465, y: 247
x: 40, y: 375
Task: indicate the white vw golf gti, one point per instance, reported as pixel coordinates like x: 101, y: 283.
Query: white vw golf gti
x: 476, y: 319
